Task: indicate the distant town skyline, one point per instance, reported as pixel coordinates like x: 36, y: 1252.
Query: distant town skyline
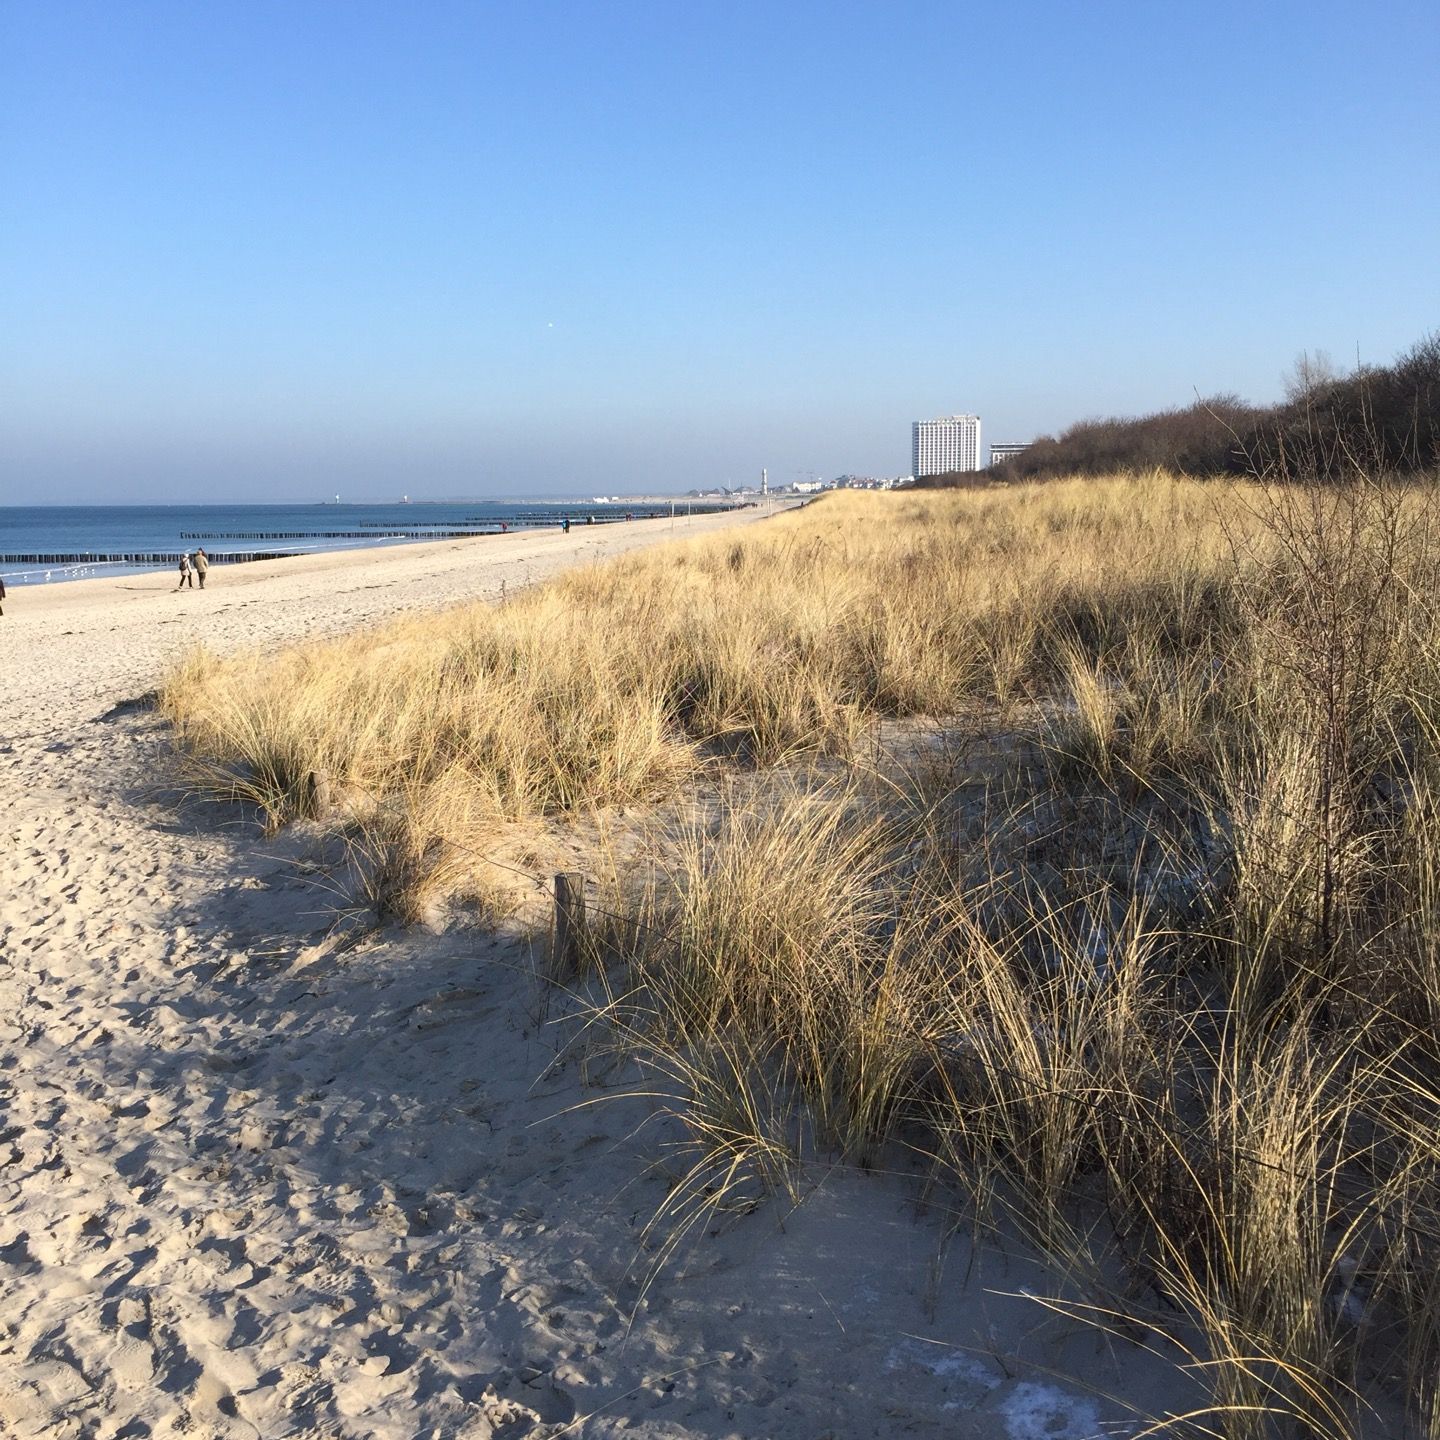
x: 278, y: 250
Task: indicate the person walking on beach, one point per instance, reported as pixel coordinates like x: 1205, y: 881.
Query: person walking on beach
x: 2, y: 597
x: 185, y: 576
x: 202, y: 564
x: 565, y: 525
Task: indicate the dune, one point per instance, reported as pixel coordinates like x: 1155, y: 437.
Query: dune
x: 255, y: 1183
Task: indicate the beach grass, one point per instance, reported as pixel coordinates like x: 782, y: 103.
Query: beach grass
x: 1088, y: 850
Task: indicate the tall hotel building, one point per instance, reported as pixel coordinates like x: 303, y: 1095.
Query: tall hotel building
x: 950, y: 443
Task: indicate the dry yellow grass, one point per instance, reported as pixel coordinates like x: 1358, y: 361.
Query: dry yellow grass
x: 610, y: 683
x: 1167, y: 990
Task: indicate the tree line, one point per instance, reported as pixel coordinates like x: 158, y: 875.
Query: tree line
x: 1380, y: 417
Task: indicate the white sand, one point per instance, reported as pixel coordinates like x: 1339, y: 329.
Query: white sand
x: 252, y: 1187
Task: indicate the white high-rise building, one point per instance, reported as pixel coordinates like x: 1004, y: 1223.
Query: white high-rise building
x: 950, y: 443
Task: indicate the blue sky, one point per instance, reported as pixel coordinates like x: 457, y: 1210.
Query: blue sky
x: 275, y: 249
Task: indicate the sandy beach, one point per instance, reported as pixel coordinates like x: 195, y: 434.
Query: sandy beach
x: 257, y: 1183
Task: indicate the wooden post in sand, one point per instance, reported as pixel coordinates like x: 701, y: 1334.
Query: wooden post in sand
x: 317, y: 788
x: 569, y: 921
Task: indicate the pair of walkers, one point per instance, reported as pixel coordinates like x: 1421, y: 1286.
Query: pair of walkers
x: 190, y: 569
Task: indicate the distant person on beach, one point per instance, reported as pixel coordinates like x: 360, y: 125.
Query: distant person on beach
x: 202, y: 564
x: 186, y: 578
x: 565, y: 525
x: 2, y: 597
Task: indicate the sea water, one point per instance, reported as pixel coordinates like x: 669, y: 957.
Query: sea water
x: 233, y: 530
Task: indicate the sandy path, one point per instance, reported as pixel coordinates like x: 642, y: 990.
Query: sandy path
x: 253, y: 1187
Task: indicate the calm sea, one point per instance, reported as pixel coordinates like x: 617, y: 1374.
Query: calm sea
x: 84, y: 541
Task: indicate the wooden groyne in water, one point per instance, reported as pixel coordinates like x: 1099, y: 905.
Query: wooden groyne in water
x: 137, y: 557
x: 461, y: 530
x: 329, y: 534
x: 577, y: 514
x: 520, y: 520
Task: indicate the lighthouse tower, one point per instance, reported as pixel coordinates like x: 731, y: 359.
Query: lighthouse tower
x: 764, y: 482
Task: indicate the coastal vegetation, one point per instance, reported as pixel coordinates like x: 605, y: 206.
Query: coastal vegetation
x: 1386, y: 416
x: 1079, y: 841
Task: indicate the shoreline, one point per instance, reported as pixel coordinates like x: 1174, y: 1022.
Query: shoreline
x: 77, y: 642
x: 60, y: 559
x: 506, y: 544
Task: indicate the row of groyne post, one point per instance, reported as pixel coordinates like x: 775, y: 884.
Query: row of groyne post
x: 372, y: 535
x: 460, y: 530
x: 136, y: 557
x: 583, y: 514
x: 374, y: 532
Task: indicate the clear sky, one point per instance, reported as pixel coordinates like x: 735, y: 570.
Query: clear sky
x: 275, y: 249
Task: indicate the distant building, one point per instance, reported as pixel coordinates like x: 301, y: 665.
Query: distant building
x: 864, y: 482
x: 1001, y: 453
x: 949, y: 443
x: 807, y: 487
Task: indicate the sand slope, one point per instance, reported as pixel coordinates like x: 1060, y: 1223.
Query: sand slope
x: 251, y: 1185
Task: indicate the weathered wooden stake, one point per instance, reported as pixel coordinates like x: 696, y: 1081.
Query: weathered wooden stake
x: 569, y: 921
x: 317, y: 783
